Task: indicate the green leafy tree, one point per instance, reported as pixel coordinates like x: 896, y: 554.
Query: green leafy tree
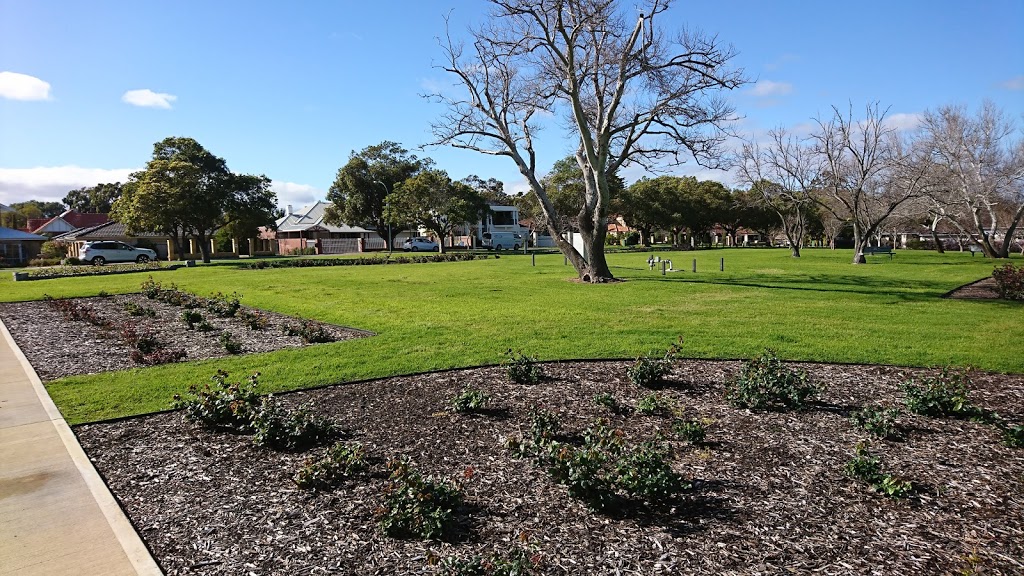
x: 98, y: 199
x: 39, y: 208
x: 187, y: 191
x: 702, y: 205
x: 361, y: 186
x: 432, y: 200
x: 491, y: 190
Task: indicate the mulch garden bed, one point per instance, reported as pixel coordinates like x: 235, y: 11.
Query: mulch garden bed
x: 984, y: 289
x: 57, y: 347
x: 768, y: 495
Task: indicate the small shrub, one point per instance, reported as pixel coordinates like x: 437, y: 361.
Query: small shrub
x: 469, y: 400
x: 158, y: 356
x: 51, y: 250
x: 522, y: 369
x: 516, y: 563
x: 134, y: 309
x: 879, y: 421
x: 253, y: 319
x: 650, y: 370
x: 1013, y: 436
x: 868, y: 469
x: 341, y: 462
x: 223, y: 306
x: 765, y: 383
x: 608, y: 401
x: 942, y: 395
x: 191, y: 318
x: 230, y: 345
x: 205, y: 326
x: 693, y: 431
x: 645, y: 474
x: 143, y: 341
x: 70, y: 261
x: 150, y: 288
x: 278, y: 428
x: 1009, y: 281
x: 311, y: 332
x: 416, y: 506
x: 654, y: 404
x: 222, y: 406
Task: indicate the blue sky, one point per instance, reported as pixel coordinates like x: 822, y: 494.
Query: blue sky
x: 291, y: 89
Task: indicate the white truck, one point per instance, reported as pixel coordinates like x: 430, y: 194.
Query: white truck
x: 502, y: 240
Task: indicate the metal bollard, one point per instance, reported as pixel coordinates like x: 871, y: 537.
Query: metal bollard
x: 721, y: 265
x: 694, y: 265
x: 534, y: 258
x: 565, y: 260
x: 663, y: 268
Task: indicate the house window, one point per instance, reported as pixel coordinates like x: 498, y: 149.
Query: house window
x: 502, y: 218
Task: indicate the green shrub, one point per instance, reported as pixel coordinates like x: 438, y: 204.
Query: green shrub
x: 191, y: 318
x: 230, y: 345
x: 150, y: 288
x: 522, y: 369
x: 158, y: 356
x: 418, y: 507
x: 1009, y: 281
x: 140, y: 339
x: 1013, y: 436
x: 223, y: 306
x: 631, y: 238
x: 469, y: 400
x: 222, y: 406
x: 278, y: 428
x: 134, y: 309
x: 942, y: 395
x: 654, y: 404
x: 608, y: 401
x: 51, y: 250
x: 693, y: 431
x: 765, y: 383
x: 879, y: 421
x: 644, y: 473
x: 310, y: 331
x: 868, y: 469
x: 517, y: 563
x: 650, y: 369
x: 341, y: 462
x: 253, y: 319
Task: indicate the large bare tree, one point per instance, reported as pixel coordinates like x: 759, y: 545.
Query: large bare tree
x: 783, y: 172
x: 868, y: 171
x: 630, y: 93
x: 978, y: 171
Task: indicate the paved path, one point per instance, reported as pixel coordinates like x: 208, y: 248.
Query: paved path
x: 56, y: 515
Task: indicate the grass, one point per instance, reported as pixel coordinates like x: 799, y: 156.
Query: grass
x: 434, y: 316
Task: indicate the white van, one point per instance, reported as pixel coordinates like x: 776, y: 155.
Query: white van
x: 502, y: 240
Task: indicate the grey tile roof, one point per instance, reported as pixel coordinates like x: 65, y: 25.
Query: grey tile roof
x: 104, y: 231
x: 12, y: 234
x: 312, y: 217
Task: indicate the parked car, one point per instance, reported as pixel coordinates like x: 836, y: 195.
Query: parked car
x: 102, y: 252
x: 502, y: 240
x: 419, y: 243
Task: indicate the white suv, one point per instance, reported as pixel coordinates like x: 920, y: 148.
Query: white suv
x: 102, y: 252
x: 419, y: 243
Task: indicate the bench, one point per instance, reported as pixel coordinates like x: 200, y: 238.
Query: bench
x: 878, y: 250
x: 976, y: 249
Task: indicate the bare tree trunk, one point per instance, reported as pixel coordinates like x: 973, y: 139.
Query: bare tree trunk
x: 938, y: 243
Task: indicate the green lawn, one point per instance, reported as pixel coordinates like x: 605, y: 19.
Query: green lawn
x: 431, y: 316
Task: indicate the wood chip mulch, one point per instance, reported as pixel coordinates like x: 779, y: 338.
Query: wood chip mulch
x: 984, y: 289
x: 769, y: 495
x: 57, y: 347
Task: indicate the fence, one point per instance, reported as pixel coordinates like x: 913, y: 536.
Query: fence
x: 339, y: 245
x: 376, y: 243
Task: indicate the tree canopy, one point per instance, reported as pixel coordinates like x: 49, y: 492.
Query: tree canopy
x: 187, y: 191
x: 98, y: 199
x: 361, y: 186
x: 432, y: 200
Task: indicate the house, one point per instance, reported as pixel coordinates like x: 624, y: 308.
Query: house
x: 112, y: 230
x: 68, y: 221
x: 17, y: 247
x: 307, y: 228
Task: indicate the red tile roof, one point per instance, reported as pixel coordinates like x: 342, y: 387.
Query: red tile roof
x: 80, y: 220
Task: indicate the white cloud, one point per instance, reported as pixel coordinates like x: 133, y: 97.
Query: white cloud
x: 15, y: 86
x: 765, y: 88
x: 148, y: 99
x: 903, y: 121
x: 298, y: 195
x: 1014, y: 83
x: 52, y: 183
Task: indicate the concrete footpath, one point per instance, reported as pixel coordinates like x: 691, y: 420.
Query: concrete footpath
x: 56, y: 515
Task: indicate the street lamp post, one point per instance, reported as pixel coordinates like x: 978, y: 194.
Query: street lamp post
x: 391, y: 239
